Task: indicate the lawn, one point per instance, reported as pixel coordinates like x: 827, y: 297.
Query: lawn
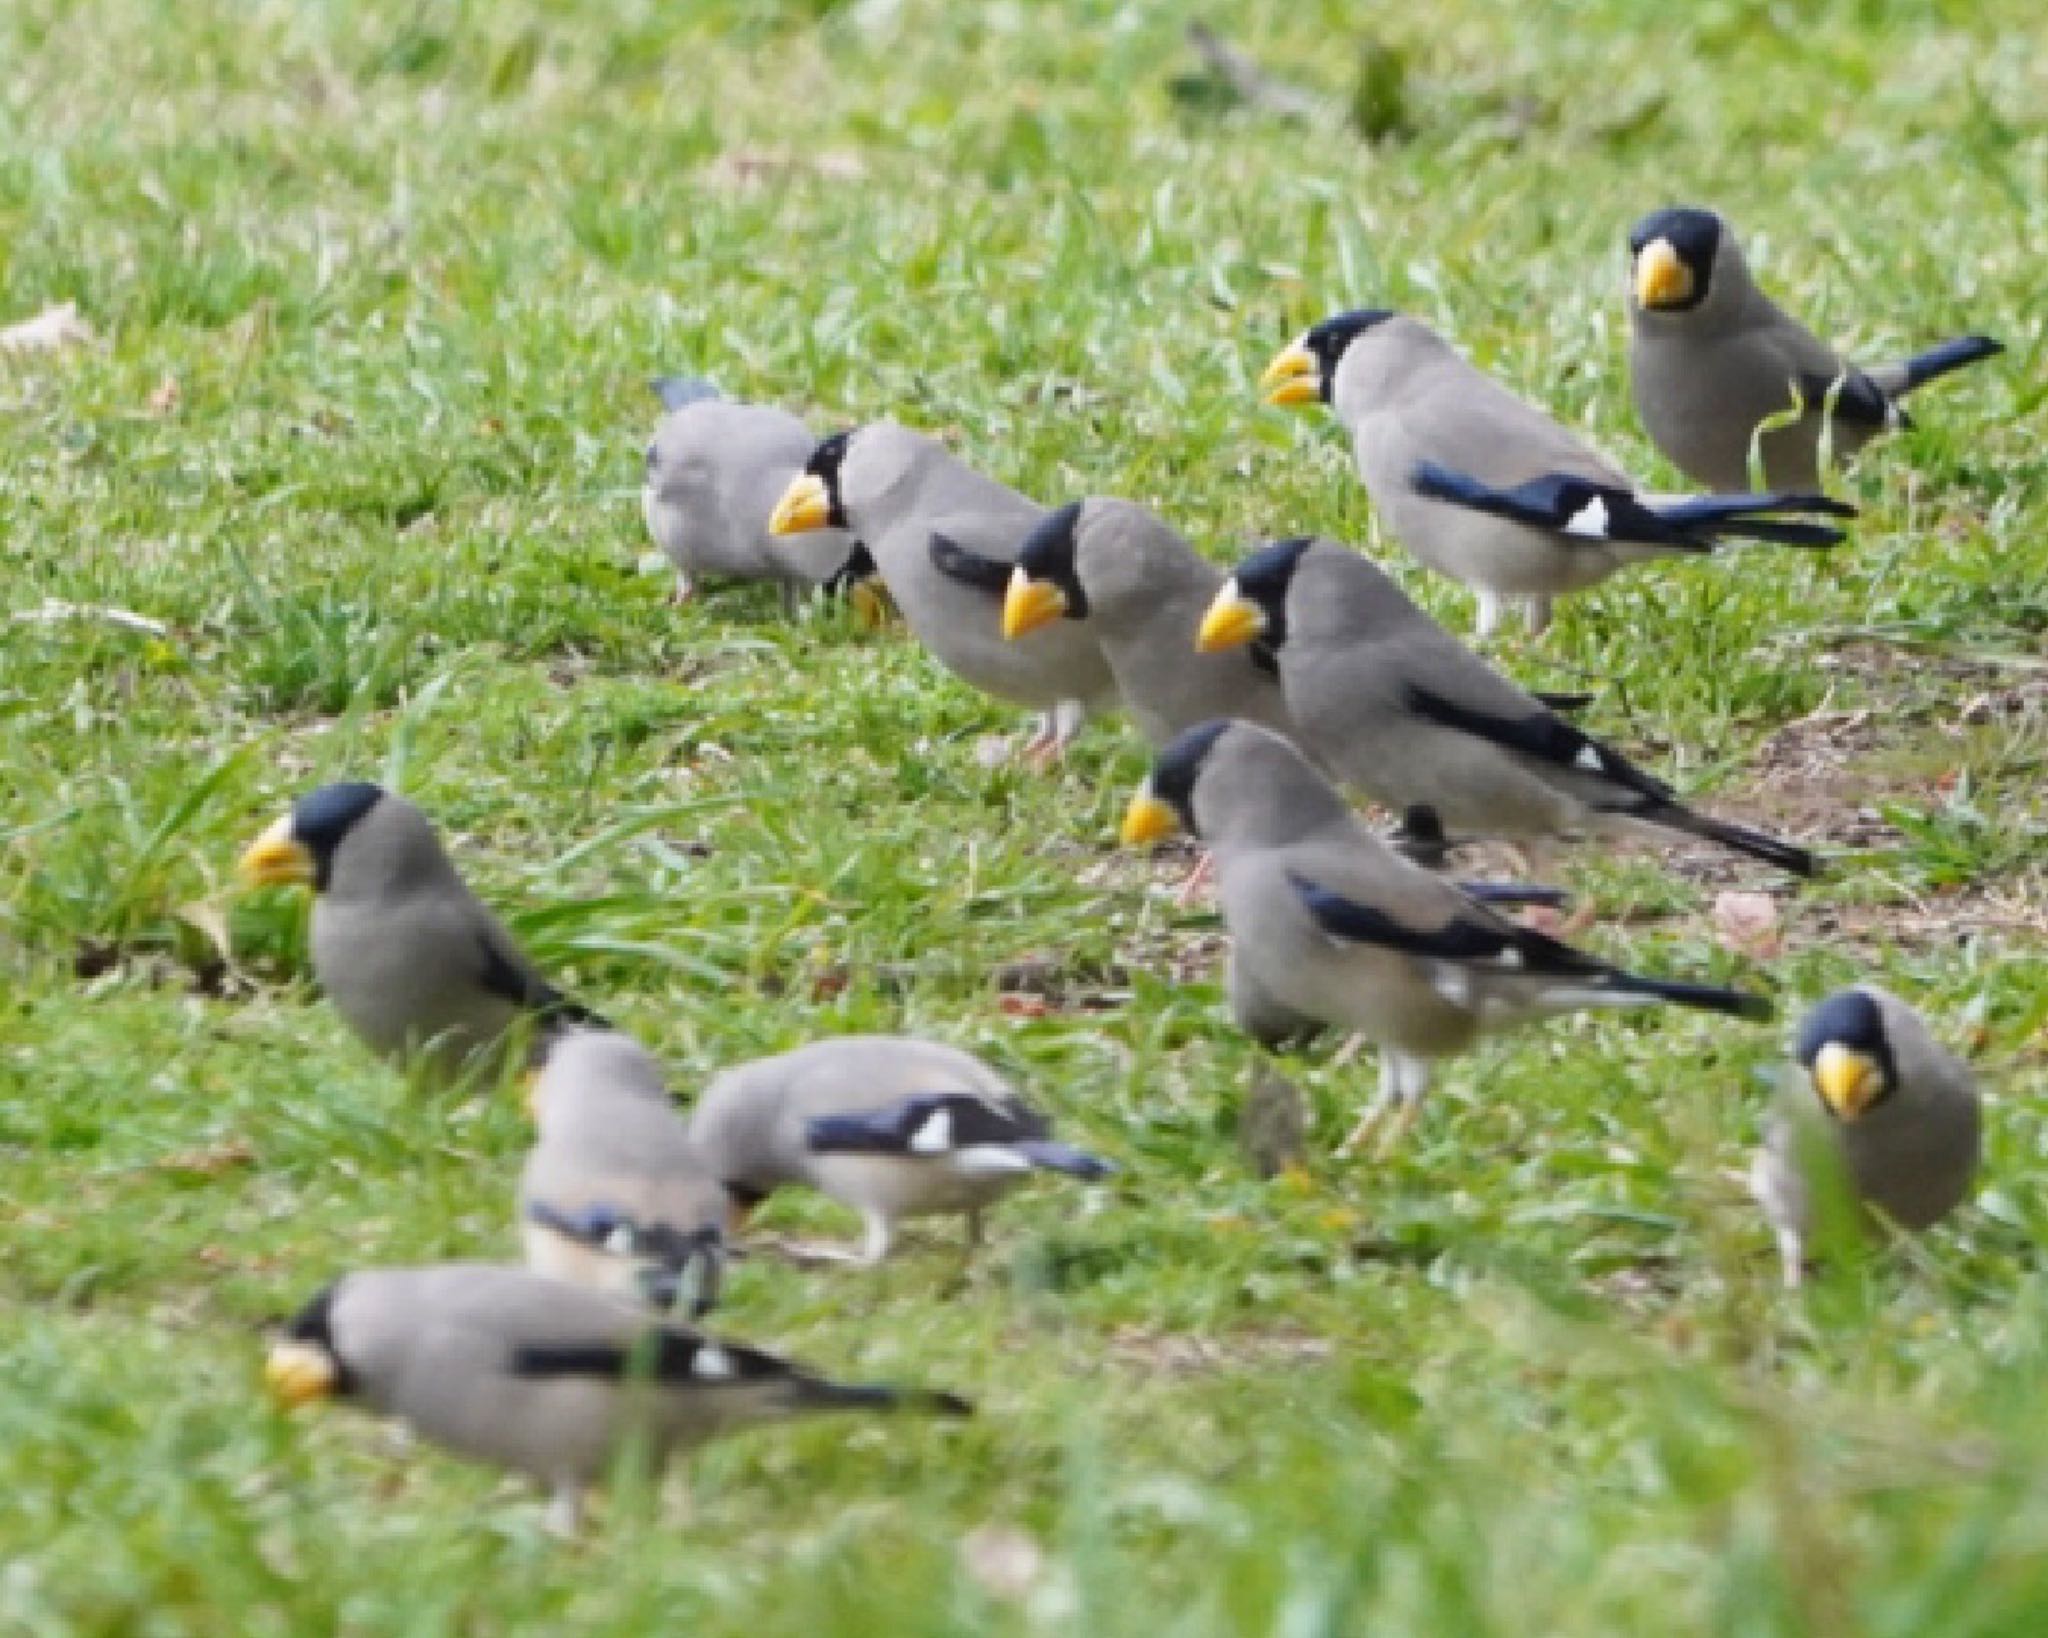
x: 375, y: 289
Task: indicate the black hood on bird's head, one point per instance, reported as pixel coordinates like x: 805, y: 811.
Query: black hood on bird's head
x: 314, y: 1325
x: 1265, y: 577
x: 322, y: 819
x: 1694, y: 236
x: 825, y: 462
x: 1328, y: 340
x: 1180, y: 765
x: 1048, y: 554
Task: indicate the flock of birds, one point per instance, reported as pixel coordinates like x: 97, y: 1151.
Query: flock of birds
x: 1269, y: 693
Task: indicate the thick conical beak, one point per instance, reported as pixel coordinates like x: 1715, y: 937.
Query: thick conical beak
x: 1847, y: 1081
x: 1662, y: 279
x: 1147, y: 819
x: 805, y: 505
x: 277, y: 859
x: 1029, y: 604
x: 296, y: 1373
x: 1232, y: 621
x: 1294, y: 377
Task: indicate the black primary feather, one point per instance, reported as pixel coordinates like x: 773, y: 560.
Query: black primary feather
x: 1551, y: 740
x: 970, y: 568
x: 510, y: 979
x: 1543, y: 736
x: 1509, y: 950
x: 1859, y: 401
x: 1574, y: 508
x: 662, y: 1354
x: 895, y: 1128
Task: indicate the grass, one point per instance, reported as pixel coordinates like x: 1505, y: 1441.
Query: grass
x: 408, y: 267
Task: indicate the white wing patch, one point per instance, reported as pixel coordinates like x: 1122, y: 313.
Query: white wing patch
x: 712, y: 1363
x: 1589, y: 520
x: 1590, y: 759
x: 987, y: 1160
x: 1510, y: 957
x: 935, y: 1136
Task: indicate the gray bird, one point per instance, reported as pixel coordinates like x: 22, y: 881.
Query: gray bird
x: 1711, y: 357
x: 1140, y: 589
x: 944, y: 539
x: 1893, y: 1113
x: 1405, y: 713
x: 1487, y: 489
x: 715, y: 469
x: 614, y: 1196
x: 546, y: 1378
x: 410, y: 958
x: 1328, y: 924
x: 891, y: 1126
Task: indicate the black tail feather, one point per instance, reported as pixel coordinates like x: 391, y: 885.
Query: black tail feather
x: 1053, y: 1156
x: 1702, y: 997
x: 1938, y: 361
x: 819, y: 1394
x: 1786, y: 856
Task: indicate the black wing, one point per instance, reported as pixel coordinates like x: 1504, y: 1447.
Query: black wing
x: 1469, y: 940
x: 926, y: 1123
x: 1544, y: 737
x: 1502, y: 947
x: 663, y: 1354
x: 510, y: 979
x: 1861, y: 402
x: 969, y: 568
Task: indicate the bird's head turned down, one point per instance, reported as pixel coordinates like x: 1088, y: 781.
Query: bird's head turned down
x: 304, y: 1363
x: 813, y: 499
x: 1846, y: 1054
x: 1671, y: 258
x: 1305, y: 370
x: 1252, y: 604
x: 1164, y: 805
x: 1046, y: 583
x: 298, y: 849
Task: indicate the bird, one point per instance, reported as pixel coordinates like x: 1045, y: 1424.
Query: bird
x: 411, y: 959
x: 549, y: 1379
x: 1398, y: 708
x: 944, y: 539
x: 1487, y: 489
x: 1891, y: 1113
x: 1711, y: 358
x: 1328, y: 924
x: 892, y: 1126
x: 715, y: 468
x: 1127, y: 577
x: 614, y: 1195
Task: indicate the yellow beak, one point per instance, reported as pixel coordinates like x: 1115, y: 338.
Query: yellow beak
x: 1294, y: 377
x: 277, y: 859
x: 1147, y: 819
x: 297, y: 1373
x: 1029, y: 604
x: 1662, y: 280
x: 805, y: 505
x: 1847, y: 1081
x: 1232, y: 621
